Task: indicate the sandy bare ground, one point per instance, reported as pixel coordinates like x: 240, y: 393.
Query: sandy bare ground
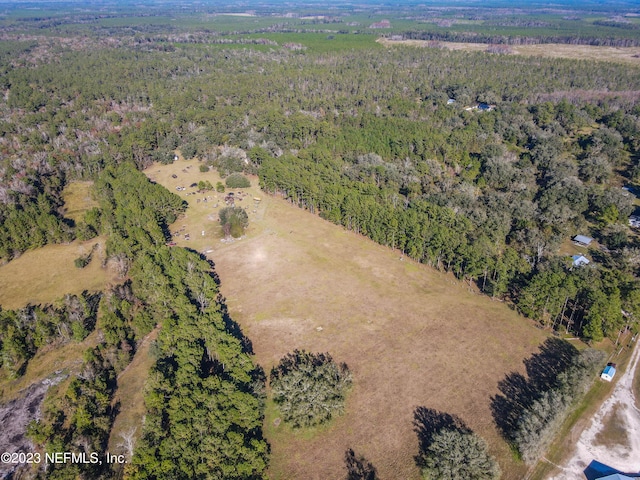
x: 622, y: 408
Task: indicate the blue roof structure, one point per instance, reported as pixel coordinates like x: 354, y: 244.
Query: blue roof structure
x: 580, y: 260
x: 599, y: 471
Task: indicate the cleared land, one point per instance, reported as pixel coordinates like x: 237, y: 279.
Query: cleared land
x: 78, y: 200
x: 46, y: 274
x: 410, y: 335
x: 629, y: 55
x: 130, y: 396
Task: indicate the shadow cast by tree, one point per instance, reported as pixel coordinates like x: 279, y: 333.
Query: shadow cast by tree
x: 555, y: 357
x: 427, y: 422
x: 506, y: 409
x: 451, y: 450
x: 519, y: 392
x: 233, y: 327
x: 358, y: 468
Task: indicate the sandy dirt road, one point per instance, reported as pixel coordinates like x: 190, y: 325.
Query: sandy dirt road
x: 622, y: 407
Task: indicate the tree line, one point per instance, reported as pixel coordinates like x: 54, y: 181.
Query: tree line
x: 204, y: 401
x: 530, y: 410
x: 524, y: 38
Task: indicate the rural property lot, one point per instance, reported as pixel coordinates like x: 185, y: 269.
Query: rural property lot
x: 628, y: 55
x: 613, y: 436
x: 410, y: 335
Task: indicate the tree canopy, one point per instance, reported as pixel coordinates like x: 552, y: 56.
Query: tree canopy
x: 309, y: 388
x: 234, y: 220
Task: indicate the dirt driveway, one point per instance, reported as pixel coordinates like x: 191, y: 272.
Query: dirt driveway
x: 620, y: 408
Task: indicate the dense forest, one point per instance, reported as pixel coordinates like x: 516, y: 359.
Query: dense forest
x: 389, y: 143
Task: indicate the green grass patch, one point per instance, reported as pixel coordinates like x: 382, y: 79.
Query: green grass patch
x: 324, y: 42
x: 78, y: 200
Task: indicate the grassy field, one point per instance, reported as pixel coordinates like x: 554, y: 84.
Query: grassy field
x: 46, y: 274
x: 630, y: 55
x: 78, y: 200
x: 130, y: 395
x: 410, y: 335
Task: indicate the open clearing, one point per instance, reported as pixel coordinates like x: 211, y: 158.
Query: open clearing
x: 629, y: 55
x: 78, y: 200
x: 46, y: 274
x: 130, y: 396
x: 410, y: 335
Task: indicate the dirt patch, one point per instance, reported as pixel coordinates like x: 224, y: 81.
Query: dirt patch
x: 410, y: 335
x: 16, y: 415
x: 614, y: 432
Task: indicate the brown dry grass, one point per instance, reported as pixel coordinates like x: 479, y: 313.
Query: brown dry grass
x: 130, y: 394
x: 410, y: 335
x: 628, y: 55
x: 46, y: 274
x: 78, y: 200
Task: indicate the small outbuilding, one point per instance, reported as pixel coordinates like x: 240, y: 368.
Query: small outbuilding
x: 608, y: 373
x: 582, y: 240
x: 580, y: 260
